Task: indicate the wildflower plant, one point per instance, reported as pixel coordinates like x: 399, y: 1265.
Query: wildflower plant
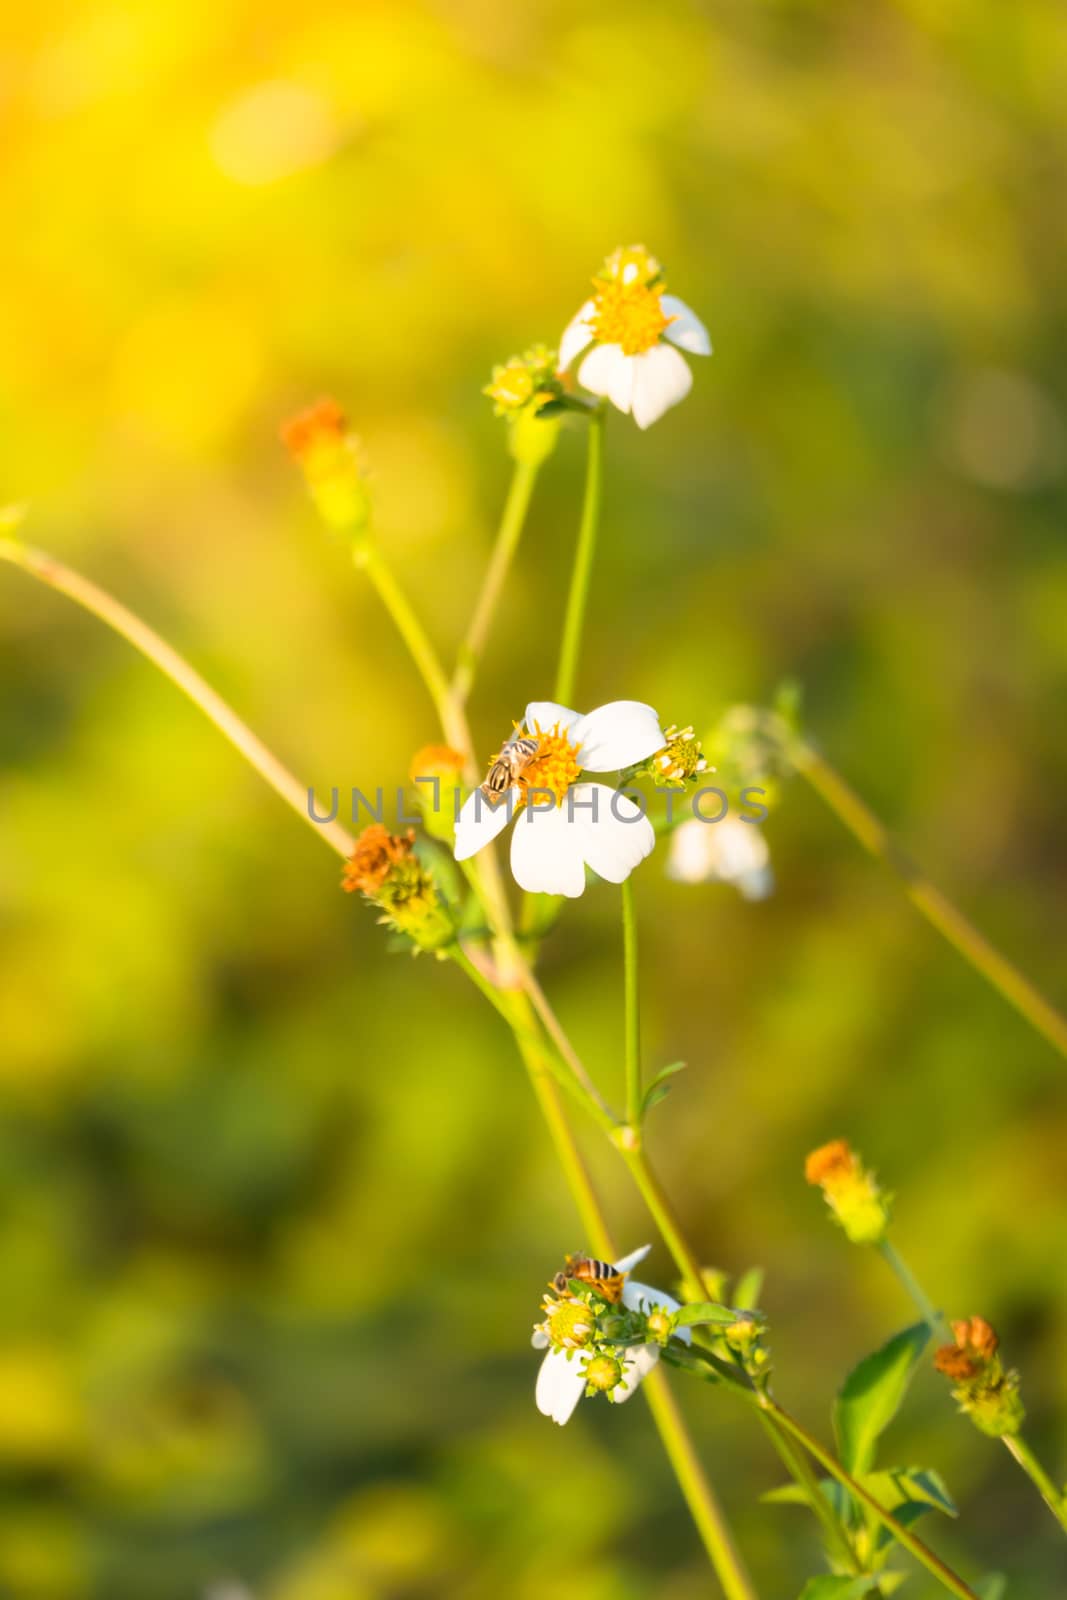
x: 441, y: 889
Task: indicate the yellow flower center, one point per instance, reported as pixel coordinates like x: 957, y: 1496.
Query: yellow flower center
x: 630, y: 315
x: 555, y: 766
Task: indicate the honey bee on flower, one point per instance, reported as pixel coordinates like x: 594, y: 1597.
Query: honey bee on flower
x: 628, y: 337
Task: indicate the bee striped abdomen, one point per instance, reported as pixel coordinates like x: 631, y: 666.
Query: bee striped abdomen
x: 600, y: 1275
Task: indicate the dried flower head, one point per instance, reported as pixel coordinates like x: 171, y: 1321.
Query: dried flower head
x: 386, y: 870
x: 984, y: 1391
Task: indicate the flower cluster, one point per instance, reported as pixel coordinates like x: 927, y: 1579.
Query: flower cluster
x: 988, y: 1394
x: 679, y: 763
x: 385, y: 868
x: 596, y: 1343
x: 524, y: 382
x: 850, y: 1191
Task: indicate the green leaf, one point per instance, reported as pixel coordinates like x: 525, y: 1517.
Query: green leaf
x: 786, y: 1494
x: 831, y: 1586
x: 704, y: 1312
x: 749, y: 1288
x: 660, y: 1086
x: 872, y: 1394
x: 994, y: 1586
x: 904, y: 1486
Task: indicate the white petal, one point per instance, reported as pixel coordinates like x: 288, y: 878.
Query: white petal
x: 539, y: 1339
x: 661, y: 379
x: 576, y: 335
x: 606, y: 370
x: 479, y: 821
x: 686, y: 331
x: 620, y: 734
x: 560, y: 1385
x: 628, y: 1263
x: 620, y: 837
x: 547, y: 852
x: 636, y: 1366
x: 640, y: 1297
x: 546, y: 714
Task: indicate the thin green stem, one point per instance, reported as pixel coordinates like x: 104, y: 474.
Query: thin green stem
x: 368, y: 557
x: 584, y: 553
x: 934, y: 1319
x: 1011, y: 984
x: 796, y: 1463
x: 122, y: 621
x: 523, y: 478
x: 632, y: 1006
x: 1056, y: 1501
x: 910, y: 1542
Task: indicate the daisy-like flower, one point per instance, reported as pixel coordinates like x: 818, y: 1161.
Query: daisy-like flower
x: 636, y: 331
x: 562, y: 826
x: 730, y: 851
x: 566, y: 1373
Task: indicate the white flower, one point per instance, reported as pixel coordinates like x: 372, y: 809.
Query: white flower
x: 562, y: 826
x: 730, y: 851
x: 634, y: 328
x: 561, y: 1380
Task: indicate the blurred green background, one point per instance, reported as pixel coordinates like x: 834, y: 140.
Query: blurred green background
x: 276, y: 1208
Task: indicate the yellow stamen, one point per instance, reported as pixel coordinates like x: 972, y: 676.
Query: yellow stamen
x: 554, y: 768
x: 630, y: 315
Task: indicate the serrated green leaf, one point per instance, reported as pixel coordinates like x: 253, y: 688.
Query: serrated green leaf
x: 832, y: 1586
x: 871, y: 1396
x: 749, y: 1288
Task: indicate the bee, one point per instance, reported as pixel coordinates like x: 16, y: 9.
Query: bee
x: 515, y: 756
x: 600, y: 1275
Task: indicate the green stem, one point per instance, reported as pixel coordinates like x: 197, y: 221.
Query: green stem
x: 796, y: 1464
x: 370, y: 560
x: 1011, y: 984
x: 508, y: 535
x: 582, y: 571
x: 1017, y: 1447
x: 934, y: 1319
x: 632, y: 1006
x: 115, y: 616
x: 915, y: 1546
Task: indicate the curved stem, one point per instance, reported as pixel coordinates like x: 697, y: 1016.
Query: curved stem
x: 120, y: 620
x: 934, y: 1319
x: 1011, y: 984
x: 523, y: 478
x: 582, y: 571
x: 631, y: 1006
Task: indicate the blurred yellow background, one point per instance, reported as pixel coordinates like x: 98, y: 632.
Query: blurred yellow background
x: 276, y: 1210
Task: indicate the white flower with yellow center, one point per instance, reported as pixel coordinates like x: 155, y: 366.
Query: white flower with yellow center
x: 635, y: 331
x: 562, y: 826
x: 730, y: 851
x: 565, y: 1373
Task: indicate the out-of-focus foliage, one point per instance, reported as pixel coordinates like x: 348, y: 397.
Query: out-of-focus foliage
x: 275, y: 1208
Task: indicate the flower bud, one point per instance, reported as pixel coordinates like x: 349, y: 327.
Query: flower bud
x: 435, y: 772
x: 659, y: 1325
x: 519, y: 389
x: 850, y: 1191
x: 319, y: 441
x: 602, y: 1373
x: 678, y: 763
x: 569, y: 1324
